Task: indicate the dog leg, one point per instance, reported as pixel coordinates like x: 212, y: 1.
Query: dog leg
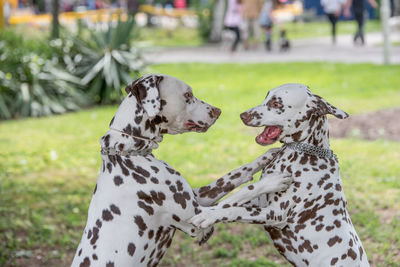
x: 275, y: 182
x: 254, y: 215
x: 213, y: 192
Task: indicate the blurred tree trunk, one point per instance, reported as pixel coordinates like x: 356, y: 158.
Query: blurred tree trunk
x: 2, y: 24
x: 55, y: 32
x: 133, y: 7
x: 217, y: 21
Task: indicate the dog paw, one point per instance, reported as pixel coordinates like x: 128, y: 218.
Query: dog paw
x: 280, y: 223
x: 263, y: 160
x: 205, y: 219
x: 281, y: 182
x: 198, y: 219
x: 286, y: 182
x: 205, y: 234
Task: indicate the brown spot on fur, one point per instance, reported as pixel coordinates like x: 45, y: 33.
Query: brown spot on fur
x: 352, y: 254
x: 140, y: 223
x: 131, y: 249
x: 115, y: 209
x: 118, y: 180
x: 85, y: 262
x: 332, y: 241
x: 106, y: 215
x: 147, y: 208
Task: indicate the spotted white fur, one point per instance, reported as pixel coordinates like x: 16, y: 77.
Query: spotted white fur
x: 139, y: 201
x: 316, y: 228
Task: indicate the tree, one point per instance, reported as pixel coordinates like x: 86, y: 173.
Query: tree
x: 2, y: 23
x: 217, y: 21
x: 55, y: 25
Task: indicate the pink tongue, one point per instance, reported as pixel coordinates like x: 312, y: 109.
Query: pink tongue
x: 268, y: 135
x: 272, y: 131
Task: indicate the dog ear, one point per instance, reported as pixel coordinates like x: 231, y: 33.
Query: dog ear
x: 147, y: 92
x: 322, y: 107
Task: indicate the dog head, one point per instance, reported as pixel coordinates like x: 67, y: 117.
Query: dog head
x: 164, y: 104
x: 289, y: 114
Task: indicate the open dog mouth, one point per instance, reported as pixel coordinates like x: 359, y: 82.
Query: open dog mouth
x: 194, y: 127
x: 269, y: 135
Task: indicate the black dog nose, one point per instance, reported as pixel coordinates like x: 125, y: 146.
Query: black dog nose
x: 216, y: 112
x: 246, y: 117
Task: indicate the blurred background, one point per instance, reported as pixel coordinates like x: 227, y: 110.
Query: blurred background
x: 64, y: 65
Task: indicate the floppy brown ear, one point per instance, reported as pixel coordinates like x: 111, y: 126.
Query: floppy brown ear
x: 322, y: 107
x: 147, y: 93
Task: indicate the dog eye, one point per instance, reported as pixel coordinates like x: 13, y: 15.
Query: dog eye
x: 274, y: 104
x: 188, y: 95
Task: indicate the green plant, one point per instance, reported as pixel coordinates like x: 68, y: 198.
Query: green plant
x: 103, y: 58
x: 205, y: 19
x: 32, y: 85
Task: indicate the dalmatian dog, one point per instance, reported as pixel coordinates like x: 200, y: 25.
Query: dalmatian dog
x: 139, y: 201
x: 317, y: 228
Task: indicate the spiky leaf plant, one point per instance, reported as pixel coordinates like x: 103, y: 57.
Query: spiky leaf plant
x: 104, y: 58
x: 31, y: 85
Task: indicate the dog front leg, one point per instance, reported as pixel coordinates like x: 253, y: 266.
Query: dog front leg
x: 213, y: 192
x: 276, y: 182
x: 203, y: 234
x: 267, y: 216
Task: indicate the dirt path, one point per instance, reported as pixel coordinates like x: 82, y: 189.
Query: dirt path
x: 371, y: 126
x: 303, y: 50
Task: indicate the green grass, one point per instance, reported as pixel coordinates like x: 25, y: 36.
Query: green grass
x: 49, y: 166
x: 161, y: 37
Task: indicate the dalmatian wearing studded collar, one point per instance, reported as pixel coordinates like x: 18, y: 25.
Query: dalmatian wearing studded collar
x: 317, y: 228
x: 139, y: 201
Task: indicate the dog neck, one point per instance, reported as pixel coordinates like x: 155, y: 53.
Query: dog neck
x: 315, y: 132
x: 131, y: 129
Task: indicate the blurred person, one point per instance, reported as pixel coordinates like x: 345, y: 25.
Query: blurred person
x: 39, y: 6
x: 6, y: 12
x: 180, y: 4
x: 358, y: 7
x: 233, y: 20
x: 250, y: 13
x: 267, y: 21
x: 284, y: 44
x: 333, y: 9
x: 133, y: 6
x: 67, y: 6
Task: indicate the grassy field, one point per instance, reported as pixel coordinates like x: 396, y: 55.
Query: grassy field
x: 49, y: 166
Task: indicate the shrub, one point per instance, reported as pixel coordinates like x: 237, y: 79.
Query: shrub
x: 103, y: 58
x: 204, y: 11
x: 32, y: 85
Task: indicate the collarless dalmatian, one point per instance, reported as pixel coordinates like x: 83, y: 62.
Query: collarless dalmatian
x: 139, y: 201
x: 316, y: 227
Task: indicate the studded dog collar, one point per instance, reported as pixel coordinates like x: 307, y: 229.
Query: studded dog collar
x: 312, y: 150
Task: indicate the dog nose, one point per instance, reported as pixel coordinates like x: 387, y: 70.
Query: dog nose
x: 246, y: 117
x: 216, y: 112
